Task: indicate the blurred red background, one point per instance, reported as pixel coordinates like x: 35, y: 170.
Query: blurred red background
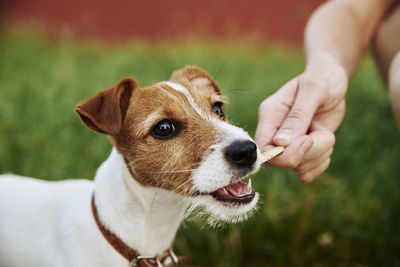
x: 281, y: 20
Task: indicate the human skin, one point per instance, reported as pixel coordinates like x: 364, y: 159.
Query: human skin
x: 305, y: 112
x: 387, y: 55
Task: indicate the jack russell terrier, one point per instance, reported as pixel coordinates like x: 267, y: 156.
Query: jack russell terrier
x: 174, y: 151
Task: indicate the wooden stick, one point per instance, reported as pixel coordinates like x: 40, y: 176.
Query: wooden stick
x: 267, y: 155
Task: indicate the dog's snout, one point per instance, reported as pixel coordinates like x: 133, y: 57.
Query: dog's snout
x: 241, y: 154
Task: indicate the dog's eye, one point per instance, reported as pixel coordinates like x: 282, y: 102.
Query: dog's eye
x: 165, y: 129
x: 217, y: 108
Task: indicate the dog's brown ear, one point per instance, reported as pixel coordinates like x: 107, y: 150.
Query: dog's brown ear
x: 194, y: 74
x: 190, y: 73
x: 105, y: 112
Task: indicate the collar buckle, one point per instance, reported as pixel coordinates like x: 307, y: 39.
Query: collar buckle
x: 171, y: 255
x: 138, y: 258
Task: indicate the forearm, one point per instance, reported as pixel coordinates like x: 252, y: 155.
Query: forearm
x: 341, y: 30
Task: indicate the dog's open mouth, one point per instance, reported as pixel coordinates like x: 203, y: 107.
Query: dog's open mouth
x: 239, y: 192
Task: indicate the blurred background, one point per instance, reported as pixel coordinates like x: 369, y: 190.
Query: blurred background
x: 158, y: 20
x: 54, y: 54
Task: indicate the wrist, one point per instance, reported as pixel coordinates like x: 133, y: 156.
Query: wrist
x: 320, y: 61
x: 326, y: 74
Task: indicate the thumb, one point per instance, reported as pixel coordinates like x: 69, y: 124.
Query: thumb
x: 272, y: 113
x: 297, y: 122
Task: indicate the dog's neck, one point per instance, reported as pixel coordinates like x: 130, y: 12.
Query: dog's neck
x: 145, y: 218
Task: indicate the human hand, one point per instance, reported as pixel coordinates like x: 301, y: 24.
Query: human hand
x: 302, y: 116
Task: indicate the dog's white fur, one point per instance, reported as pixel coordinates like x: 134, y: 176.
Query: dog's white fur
x: 58, y: 215
x: 51, y: 223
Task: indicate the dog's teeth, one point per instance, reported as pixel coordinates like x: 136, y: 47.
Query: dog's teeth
x: 225, y: 190
x: 249, y: 182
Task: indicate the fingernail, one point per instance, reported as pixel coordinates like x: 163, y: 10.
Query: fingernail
x: 284, y: 136
x: 305, y: 147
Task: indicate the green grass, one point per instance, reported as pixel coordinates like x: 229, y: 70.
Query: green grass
x: 348, y: 217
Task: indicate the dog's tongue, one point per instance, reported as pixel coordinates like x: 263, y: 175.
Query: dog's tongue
x: 238, y: 189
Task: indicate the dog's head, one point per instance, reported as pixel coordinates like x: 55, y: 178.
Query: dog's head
x: 175, y: 136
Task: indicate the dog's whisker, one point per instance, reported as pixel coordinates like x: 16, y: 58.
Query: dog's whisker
x: 183, y: 184
x: 222, y: 66
x: 151, y: 206
x: 176, y: 171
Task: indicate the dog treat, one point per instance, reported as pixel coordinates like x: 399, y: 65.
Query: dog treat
x: 267, y: 155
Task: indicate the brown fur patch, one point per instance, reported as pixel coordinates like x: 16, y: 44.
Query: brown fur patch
x: 189, y: 74
x: 168, y: 163
x: 164, y: 163
x: 105, y: 111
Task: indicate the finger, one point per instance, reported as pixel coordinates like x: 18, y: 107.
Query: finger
x: 310, y: 165
x: 273, y: 111
x: 293, y: 154
x: 298, y: 120
x: 312, y: 174
x: 266, y: 129
x: 323, y: 140
x: 317, y: 160
x: 331, y: 119
x: 301, y: 150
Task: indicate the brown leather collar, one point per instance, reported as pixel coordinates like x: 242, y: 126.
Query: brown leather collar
x: 134, y: 258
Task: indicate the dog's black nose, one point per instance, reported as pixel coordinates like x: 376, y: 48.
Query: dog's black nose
x: 242, y: 154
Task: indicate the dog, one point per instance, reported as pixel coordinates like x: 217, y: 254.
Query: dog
x: 173, y: 152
